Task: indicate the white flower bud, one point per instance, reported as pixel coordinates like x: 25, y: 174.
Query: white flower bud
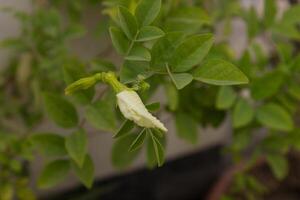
x: 133, y: 109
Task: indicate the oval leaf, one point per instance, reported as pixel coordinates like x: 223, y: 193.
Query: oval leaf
x: 274, y: 117
x: 119, y: 40
x: 243, y: 114
x: 139, y: 53
x: 128, y: 22
x: 219, y: 72
x: 147, y: 11
x: 191, y: 52
x: 226, y: 98
x: 86, y: 172
x: 149, y: 33
x: 76, y: 145
x: 61, y: 111
x: 54, y: 173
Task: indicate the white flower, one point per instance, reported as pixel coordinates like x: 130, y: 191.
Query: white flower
x: 133, y: 109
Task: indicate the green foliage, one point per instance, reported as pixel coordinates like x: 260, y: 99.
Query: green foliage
x: 159, y: 43
x: 275, y: 117
x: 76, y: 145
x: 54, y: 173
x: 61, y: 111
x: 219, y: 72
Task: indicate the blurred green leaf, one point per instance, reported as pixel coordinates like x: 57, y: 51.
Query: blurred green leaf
x: 61, y: 111
x: 76, y: 145
x: 49, y: 144
x: 158, y: 149
x: 138, y: 53
x: 278, y: 164
x: 101, y: 115
x: 226, y: 97
x: 186, y: 127
x: 128, y: 23
x: 149, y: 33
x: 219, y: 72
x: 147, y: 11
x: 54, y: 173
x: 121, y: 156
x: 86, y: 172
x: 275, y: 117
x: 138, y: 142
x: 191, y: 52
x: 119, y: 40
x: 243, y: 114
x: 125, y: 128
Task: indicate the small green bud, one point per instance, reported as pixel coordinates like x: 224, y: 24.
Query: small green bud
x: 82, y: 84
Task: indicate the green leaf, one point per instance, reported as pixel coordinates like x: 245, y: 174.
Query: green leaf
x: 278, y: 164
x: 49, y: 144
x: 128, y: 23
x: 101, y: 115
x: 219, y: 72
x: 226, y: 98
x: 53, y: 173
x: 149, y: 33
x: 187, y: 19
x: 76, y: 145
x: 121, y: 156
x: 119, y: 40
x: 243, y: 114
x: 86, y: 172
x: 266, y: 86
x: 150, y: 152
x: 138, y: 142
x: 163, y: 50
x: 138, y: 53
x: 269, y: 12
x: 275, y: 117
x: 158, y: 149
x: 131, y: 69
x: 147, y: 11
x: 125, y: 128
x: 61, y: 111
x: 191, y: 52
x: 181, y: 80
x: 186, y: 127
x: 172, y: 96
x: 292, y: 15
x: 153, y: 106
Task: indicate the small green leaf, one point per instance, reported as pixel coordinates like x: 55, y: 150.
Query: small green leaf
x: 147, y: 11
x: 101, y: 115
x: 128, y: 22
x: 191, y: 52
x: 226, y: 98
x: 138, y: 142
x: 267, y: 85
x: 269, y: 12
x: 180, y: 80
x: 125, y: 128
x: 220, y: 72
x: 121, y: 156
x: 275, y: 117
x: 76, y: 145
x: 158, y: 149
x: 119, y: 40
x: 279, y: 165
x: 61, y: 111
x: 53, y: 173
x: 86, y: 172
x: 149, y: 33
x: 153, y: 106
x: 138, y: 53
x: 186, y: 127
x: 243, y: 114
x: 172, y: 96
x: 131, y: 69
x: 49, y: 144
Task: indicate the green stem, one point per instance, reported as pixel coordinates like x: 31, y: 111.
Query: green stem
x: 170, y: 73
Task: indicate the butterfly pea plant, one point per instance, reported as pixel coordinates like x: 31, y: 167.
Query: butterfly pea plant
x: 166, y: 45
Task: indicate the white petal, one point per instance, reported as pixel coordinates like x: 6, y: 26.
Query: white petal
x: 133, y: 109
